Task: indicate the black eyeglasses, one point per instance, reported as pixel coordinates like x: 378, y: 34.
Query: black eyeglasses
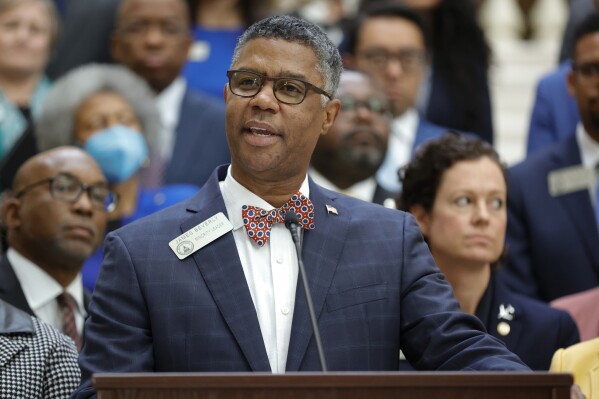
x: 68, y: 188
x: 587, y: 70
x: 374, y: 105
x: 409, y: 59
x: 286, y: 90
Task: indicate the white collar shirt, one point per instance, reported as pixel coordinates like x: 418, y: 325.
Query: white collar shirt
x: 41, y: 291
x: 169, y: 106
x: 270, y: 271
x: 363, y: 190
x: 399, y: 150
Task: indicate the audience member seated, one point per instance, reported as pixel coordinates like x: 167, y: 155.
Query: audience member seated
x: 456, y: 189
x: 348, y: 156
x: 555, y: 113
x: 85, y: 35
x: 37, y: 360
x: 552, y: 232
x: 583, y: 309
x: 153, y: 38
x: 582, y: 360
x: 28, y: 28
x: 456, y: 91
x: 217, y: 26
x: 110, y: 112
x: 389, y: 42
x: 55, y: 217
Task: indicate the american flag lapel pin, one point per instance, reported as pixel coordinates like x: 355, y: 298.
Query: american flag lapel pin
x: 331, y: 210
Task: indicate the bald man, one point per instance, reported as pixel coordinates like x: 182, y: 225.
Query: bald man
x: 55, y: 217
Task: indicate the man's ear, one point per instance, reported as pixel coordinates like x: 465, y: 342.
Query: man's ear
x: 9, y: 213
x: 571, y: 83
x: 422, y: 217
x: 331, y: 110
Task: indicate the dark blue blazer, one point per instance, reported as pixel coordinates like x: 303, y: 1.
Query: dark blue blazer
x: 374, y: 284
x: 536, y: 329
x: 201, y: 141
x: 552, y: 242
x: 427, y: 131
x: 555, y: 113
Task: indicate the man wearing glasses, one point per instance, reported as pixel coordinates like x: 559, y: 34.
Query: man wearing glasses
x: 211, y: 284
x: 389, y: 42
x: 54, y: 216
x: 553, y: 196
x: 348, y: 156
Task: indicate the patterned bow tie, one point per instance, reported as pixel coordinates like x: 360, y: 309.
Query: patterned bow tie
x: 258, y: 222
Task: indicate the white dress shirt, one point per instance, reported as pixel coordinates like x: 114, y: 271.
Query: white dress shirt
x: 41, y: 291
x: 399, y: 150
x: 169, y: 105
x: 271, y: 271
x: 363, y: 190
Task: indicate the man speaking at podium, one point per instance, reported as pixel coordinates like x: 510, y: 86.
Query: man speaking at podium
x: 209, y: 285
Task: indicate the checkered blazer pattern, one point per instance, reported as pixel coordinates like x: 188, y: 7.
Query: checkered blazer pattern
x: 36, y: 360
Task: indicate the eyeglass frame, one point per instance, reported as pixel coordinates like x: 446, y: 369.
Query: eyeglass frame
x: 593, y: 73
x: 82, y: 188
x: 309, y: 86
x: 364, y: 104
x: 417, y: 54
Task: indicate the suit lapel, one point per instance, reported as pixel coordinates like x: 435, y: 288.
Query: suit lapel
x: 10, y: 348
x: 578, y: 204
x: 502, y: 298
x: 221, y: 269
x: 10, y: 287
x: 321, y: 251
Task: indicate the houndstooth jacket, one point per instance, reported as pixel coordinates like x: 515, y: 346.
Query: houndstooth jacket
x: 36, y: 360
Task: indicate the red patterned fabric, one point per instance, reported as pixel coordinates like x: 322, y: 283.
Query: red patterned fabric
x: 67, y: 306
x: 258, y: 222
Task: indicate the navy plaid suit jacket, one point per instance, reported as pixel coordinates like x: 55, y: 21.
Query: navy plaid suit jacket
x: 374, y: 283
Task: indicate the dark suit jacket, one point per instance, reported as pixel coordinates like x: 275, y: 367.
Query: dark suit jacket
x: 552, y: 242
x: 374, y: 284
x: 12, y: 292
x: 555, y: 112
x: 536, y: 329
x: 201, y: 141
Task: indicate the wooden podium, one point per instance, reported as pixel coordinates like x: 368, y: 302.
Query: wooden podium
x: 334, y: 385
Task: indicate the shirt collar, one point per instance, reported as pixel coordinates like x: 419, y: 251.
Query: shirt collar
x: 589, y: 148
x: 169, y: 102
x: 39, y: 287
x: 404, y: 126
x: 235, y: 196
x: 363, y: 190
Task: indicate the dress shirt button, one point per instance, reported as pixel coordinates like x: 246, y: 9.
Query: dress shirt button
x: 280, y: 260
x: 285, y: 310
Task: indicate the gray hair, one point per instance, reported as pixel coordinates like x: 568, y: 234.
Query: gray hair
x: 297, y: 30
x: 55, y: 126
